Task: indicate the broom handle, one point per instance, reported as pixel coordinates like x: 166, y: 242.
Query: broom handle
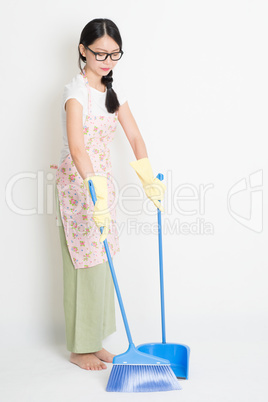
x: 160, y: 176
x: 94, y: 199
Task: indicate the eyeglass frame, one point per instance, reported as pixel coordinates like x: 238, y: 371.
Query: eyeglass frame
x: 107, y: 54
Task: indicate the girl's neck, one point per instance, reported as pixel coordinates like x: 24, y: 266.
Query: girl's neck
x: 94, y: 80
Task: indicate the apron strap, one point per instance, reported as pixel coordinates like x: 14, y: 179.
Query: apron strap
x: 89, y: 91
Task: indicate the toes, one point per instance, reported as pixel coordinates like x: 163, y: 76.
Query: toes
x: 92, y: 365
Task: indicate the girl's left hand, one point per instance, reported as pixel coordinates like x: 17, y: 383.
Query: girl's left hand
x: 153, y: 187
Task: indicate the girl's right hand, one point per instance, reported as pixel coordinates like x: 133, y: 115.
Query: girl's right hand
x: 101, y: 214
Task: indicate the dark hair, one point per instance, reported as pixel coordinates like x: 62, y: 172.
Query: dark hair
x: 96, y: 29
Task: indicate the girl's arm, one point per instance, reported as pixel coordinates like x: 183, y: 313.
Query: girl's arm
x: 132, y: 131
x: 153, y: 187
x: 74, y: 123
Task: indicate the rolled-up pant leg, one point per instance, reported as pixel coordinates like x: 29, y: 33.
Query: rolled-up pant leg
x: 89, y: 307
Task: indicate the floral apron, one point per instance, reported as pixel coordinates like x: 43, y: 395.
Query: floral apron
x: 76, y: 206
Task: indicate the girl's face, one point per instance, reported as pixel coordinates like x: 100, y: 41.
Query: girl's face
x: 105, y: 44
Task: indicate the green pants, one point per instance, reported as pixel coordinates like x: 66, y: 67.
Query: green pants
x: 88, y: 300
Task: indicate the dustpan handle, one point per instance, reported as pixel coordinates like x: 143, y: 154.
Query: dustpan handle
x: 160, y: 176
x: 120, y: 301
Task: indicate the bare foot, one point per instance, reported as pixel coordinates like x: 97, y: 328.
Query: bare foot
x: 104, y: 355
x: 87, y: 361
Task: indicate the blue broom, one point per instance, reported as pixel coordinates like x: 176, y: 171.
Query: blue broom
x: 134, y: 371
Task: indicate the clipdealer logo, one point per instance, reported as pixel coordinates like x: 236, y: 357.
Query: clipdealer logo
x: 186, y: 200
x: 247, y: 192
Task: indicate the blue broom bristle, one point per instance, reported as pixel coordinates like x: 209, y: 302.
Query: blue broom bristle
x: 142, y: 378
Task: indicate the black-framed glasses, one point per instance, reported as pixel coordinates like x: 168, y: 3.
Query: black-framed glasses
x: 101, y: 56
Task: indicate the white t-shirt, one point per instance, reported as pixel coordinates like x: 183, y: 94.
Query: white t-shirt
x: 77, y: 89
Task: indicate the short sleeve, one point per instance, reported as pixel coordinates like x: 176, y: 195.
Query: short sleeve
x: 74, y: 90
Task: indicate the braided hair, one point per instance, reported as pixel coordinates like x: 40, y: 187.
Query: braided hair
x: 94, y: 30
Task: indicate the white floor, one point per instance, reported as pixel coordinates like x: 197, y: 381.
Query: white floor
x: 224, y: 371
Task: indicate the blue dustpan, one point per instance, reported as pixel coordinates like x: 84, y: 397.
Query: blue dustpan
x: 177, y: 354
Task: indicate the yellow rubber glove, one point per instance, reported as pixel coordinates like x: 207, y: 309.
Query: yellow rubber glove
x: 101, y: 214
x: 153, y: 187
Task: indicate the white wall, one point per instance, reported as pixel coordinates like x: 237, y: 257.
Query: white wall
x: 196, y: 78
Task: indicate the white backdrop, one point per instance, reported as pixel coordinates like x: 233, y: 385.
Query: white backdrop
x: 195, y: 74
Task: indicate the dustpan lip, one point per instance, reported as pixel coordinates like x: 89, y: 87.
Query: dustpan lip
x: 161, y: 343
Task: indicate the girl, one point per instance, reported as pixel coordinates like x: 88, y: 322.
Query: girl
x: 91, y: 109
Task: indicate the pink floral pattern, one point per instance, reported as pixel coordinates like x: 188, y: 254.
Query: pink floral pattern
x: 76, y: 206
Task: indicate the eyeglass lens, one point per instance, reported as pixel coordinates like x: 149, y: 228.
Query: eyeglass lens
x: 114, y: 56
